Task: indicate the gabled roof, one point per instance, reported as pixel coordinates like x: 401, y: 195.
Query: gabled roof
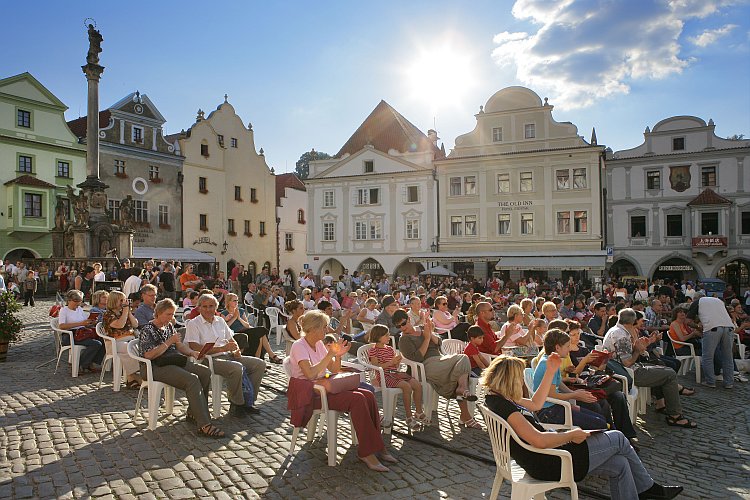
x: 386, y: 129
x: 30, y: 180
x: 78, y: 126
x: 709, y: 197
x: 54, y: 101
x: 284, y: 181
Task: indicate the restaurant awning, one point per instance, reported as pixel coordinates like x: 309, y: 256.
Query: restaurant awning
x: 559, y: 263
x: 177, y: 254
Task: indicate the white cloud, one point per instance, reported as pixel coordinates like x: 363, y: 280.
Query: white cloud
x: 585, y: 50
x: 710, y: 36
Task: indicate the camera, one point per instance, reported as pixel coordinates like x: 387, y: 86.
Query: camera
x: 347, y: 337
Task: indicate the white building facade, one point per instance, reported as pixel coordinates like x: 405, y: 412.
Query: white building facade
x: 291, y: 219
x: 678, y: 205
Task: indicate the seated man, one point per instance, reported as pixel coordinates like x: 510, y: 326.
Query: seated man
x: 210, y: 327
x: 624, y: 341
x: 491, y: 344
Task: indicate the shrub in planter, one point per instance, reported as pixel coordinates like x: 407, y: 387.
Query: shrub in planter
x: 10, y: 325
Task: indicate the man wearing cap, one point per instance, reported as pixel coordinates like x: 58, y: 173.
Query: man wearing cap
x: 718, y: 333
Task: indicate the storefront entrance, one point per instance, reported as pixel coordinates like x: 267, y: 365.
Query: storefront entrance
x: 675, y: 269
x: 737, y: 274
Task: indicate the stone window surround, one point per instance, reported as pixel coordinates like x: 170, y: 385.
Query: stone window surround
x: 701, y: 166
x: 675, y: 210
x: 646, y: 171
x: 636, y: 212
x: 30, y: 128
x: 463, y: 184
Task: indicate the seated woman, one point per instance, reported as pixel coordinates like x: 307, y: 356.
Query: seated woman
x: 681, y: 331
x: 559, y: 342
x: 416, y: 318
x: 521, y: 340
x: 119, y: 323
x: 307, y: 300
x: 252, y: 340
x: 99, y: 303
x: 160, y: 343
x: 526, y: 306
x: 368, y: 314
x: 294, y: 310
x: 605, y: 453
x: 72, y: 317
x: 448, y: 374
x: 442, y: 318
x: 311, y: 360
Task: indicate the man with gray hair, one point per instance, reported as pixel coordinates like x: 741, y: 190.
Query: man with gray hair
x: 718, y: 335
x: 624, y: 341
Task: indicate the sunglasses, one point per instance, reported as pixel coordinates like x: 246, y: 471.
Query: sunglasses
x: 401, y: 325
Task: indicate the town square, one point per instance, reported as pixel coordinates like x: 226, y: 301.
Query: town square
x: 430, y: 250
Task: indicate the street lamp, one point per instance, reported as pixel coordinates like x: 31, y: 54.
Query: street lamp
x: 433, y: 247
x: 224, y: 246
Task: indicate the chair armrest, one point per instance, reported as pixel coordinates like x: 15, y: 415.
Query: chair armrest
x: 323, y: 397
x: 358, y: 366
x: 568, y: 407
x: 417, y: 369
x: 624, y: 381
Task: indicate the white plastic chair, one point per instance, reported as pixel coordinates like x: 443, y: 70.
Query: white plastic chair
x: 528, y: 378
x: 330, y: 420
x: 643, y: 397
x: 113, y: 357
x: 437, y: 329
x: 740, y: 346
x: 154, y: 389
x: 273, y: 317
x: 688, y: 360
x: 388, y: 394
x: 522, y: 485
x: 74, y: 351
x: 455, y: 346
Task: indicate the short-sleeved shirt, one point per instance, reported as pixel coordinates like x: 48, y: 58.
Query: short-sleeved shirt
x: 619, y: 341
x: 144, y: 314
x: 471, y: 350
x: 489, y: 341
x: 68, y: 315
x: 202, y: 332
x: 237, y: 325
x: 539, y: 371
x: 301, y: 350
x: 538, y: 466
x: 409, y: 347
x: 152, y: 336
x: 185, y: 278
x: 110, y: 316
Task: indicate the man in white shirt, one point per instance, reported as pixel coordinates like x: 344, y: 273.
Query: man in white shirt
x: 308, y: 281
x: 327, y: 279
x: 132, y: 284
x: 718, y: 337
x: 228, y: 360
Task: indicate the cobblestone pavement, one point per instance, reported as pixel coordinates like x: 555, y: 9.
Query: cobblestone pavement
x: 62, y: 437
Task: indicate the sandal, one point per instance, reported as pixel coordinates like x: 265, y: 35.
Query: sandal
x: 211, y: 431
x: 471, y: 423
x: 663, y: 409
x: 673, y: 421
x: 275, y: 360
x: 413, y: 424
x: 686, y: 391
x: 420, y: 417
x: 466, y: 396
x: 133, y: 385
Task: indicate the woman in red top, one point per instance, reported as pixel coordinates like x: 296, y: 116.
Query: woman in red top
x: 680, y: 331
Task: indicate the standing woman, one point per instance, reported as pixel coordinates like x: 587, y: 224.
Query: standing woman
x: 72, y: 317
x: 62, y: 277
x: 119, y: 323
x: 294, y: 310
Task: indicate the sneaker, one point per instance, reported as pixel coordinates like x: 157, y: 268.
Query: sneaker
x: 740, y: 378
x: 706, y: 384
x: 237, y: 411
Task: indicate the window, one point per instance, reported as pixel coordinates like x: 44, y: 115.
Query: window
x: 25, y: 164
x: 233, y: 142
x: 745, y: 223
x: 203, y: 222
x: 503, y: 183
x: 376, y: 230
x: 301, y: 216
x: 114, y: 209
x: 289, y: 242
x: 709, y: 223
x: 579, y: 178
x: 563, y: 222
x: 529, y: 131
x: 328, y: 199
x: 457, y: 223
x: 497, y: 134
x: 360, y: 230
x: 412, y: 229
x: 63, y: 168
x: 164, y: 215
x: 238, y: 193
x: 247, y: 228
x: 412, y: 194
x: 638, y: 226
x: 527, y: 223
x: 368, y: 196
x: 253, y: 195
x: 221, y: 140
x: 202, y: 185
x: 230, y: 226
x: 364, y: 230
x: 470, y: 185
x: 24, y: 118
x: 369, y: 166
x: 153, y: 172
x: 204, y: 150
x: 674, y: 225
x: 563, y: 179
x: 140, y: 211
x: 653, y: 179
x: 32, y: 206
x: 581, y: 221
x: 328, y: 231
x: 503, y: 224
x: 708, y: 176
x: 137, y: 134
x: 119, y: 167
x: 262, y: 228
x: 527, y: 182
x: 455, y: 186
x: 678, y: 143
x: 470, y: 223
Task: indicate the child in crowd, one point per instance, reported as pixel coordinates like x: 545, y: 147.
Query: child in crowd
x: 475, y: 335
x: 189, y: 301
x: 383, y: 355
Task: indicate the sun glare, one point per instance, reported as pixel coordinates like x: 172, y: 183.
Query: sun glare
x: 442, y: 74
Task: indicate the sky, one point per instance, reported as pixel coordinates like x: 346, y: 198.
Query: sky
x: 306, y: 74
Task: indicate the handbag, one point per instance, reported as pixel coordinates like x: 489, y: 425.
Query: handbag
x: 248, y: 391
x: 339, y: 382
x: 81, y: 334
x: 171, y: 359
x: 616, y: 367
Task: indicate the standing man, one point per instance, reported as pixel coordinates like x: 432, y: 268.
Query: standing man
x: 718, y: 333
x: 125, y: 271
x: 188, y: 279
x: 43, y: 270
x: 166, y: 282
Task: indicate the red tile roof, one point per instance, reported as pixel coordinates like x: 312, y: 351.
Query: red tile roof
x: 78, y: 126
x: 709, y: 197
x: 386, y: 129
x: 30, y: 180
x: 284, y: 181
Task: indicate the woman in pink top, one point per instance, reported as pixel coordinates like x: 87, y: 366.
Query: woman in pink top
x: 443, y: 319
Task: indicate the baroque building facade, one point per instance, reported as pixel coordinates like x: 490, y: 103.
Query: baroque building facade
x: 40, y: 158
x: 678, y: 205
x: 291, y: 223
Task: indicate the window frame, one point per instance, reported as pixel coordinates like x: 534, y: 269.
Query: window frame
x: 253, y: 195
x: 474, y: 188
x: 230, y: 227
x: 412, y: 227
x: 30, y: 162
x: 153, y: 172
x: 705, y: 232
x: 329, y: 231
x: 667, y: 225
x: 120, y: 167
x: 163, y: 215
x: 651, y: 175
x: 237, y: 193
x: 114, y: 208
x: 203, y: 222
x: 30, y: 114
x: 326, y: 200
x: 415, y: 189
x: 474, y: 224
x: 566, y: 185
x: 521, y: 181
x: 631, y: 220
x: 527, y: 224
x: 368, y: 166
x: 580, y: 221
x: 63, y: 162
x: 262, y: 228
x: 204, y: 150
x: 684, y: 143
x: 365, y: 196
x: 744, y: 224
x: 456, y: 225
x: 714, y: 173
x: 575, y: 176
x: 526, y: 130
x: 32, y: 205
x: 140, y: 211
x: 506, y: 218
x: 137, y: 134
x: 203, y: 185
x: 506, y: 180
x: 452, y: 184
x: 565, y: 218
x: 247, y: 229
x: 289, y: 242
x: 497, y: 134
x: 233, y: 142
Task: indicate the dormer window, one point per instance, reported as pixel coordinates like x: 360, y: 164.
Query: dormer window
x: 678, y: 144
x: 497, y: 134
x: 529, y: 131
x: 137, y: 134
x: 369, y: 166
x: 204, y: 150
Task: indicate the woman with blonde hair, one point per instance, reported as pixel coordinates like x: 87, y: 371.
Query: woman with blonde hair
x: 526, y: 306
x: 605, y: 453
x: 119, y: 323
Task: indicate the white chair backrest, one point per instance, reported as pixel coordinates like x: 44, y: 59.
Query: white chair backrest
x: 287, y: 364
x: 273, y: 316
x: 528, y: 378
x: 362, y: 353
x: 500, y: 435
x: 453, y: 346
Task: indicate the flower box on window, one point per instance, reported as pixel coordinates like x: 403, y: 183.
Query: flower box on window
x: 121, y: 175
x: 165, y: 226
x: 232, y: 233
x: 145, y: 225
x: 156, y: 180
x: 249, y: 235
x: 203, y: 191
x: 262, y: 234
x: 204, y: 229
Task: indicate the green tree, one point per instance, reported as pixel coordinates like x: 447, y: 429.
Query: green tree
x: 736, y: 137
x: 302, y: 167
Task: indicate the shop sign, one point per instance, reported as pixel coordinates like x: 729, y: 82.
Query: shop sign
x: 675, y: 268
x: 204, y: 239
x: 370, y: 266
x: 509, y: 206
x: 710, y: 241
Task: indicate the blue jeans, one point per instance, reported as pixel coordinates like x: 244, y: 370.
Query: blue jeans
x: 718, y: 341
x: 93, y: 353
x: 611, y: 455
x: 583, y: 418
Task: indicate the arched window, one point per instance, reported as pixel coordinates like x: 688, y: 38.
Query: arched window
x: 301, y: 216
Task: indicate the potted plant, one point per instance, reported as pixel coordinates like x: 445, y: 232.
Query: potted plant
x: 10, y: 325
